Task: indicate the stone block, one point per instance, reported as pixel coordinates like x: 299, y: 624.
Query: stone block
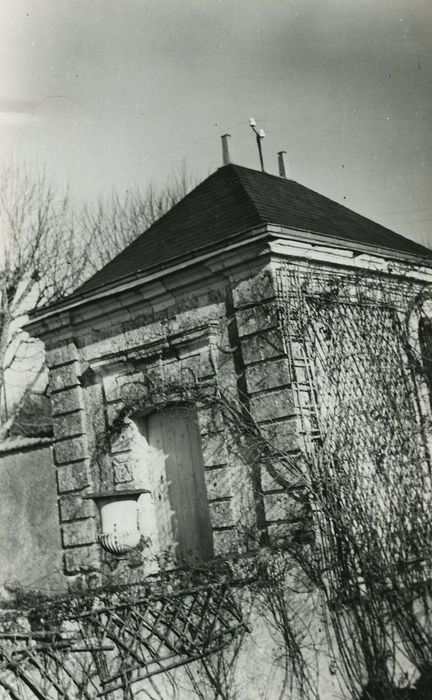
x: 72, y: 477
x: 64, y: 377
x: 78, y: 533
x: 118, y: 386
x: 301, y: 375
x: 268, y: 375
x: 67, y: 400
x: 172, y: 372
x: 206, y: 367
x: 297, y: 351
x: 286, y: 534
x: 257, y: 318
x: 283, y: 436
x: 61, y: 355
x: 75, y: 507
x: 71, y: 450
x: 270, y: 483
x: 221, y: 514
x: 100, y: 348
x: 281, y: 506
x: 253, y: 289
x: 144, y: 334
x: 263, y: 346
x: 218, y: 482
x: 214, y: 449
x: 210, y: 420
x: 82, y: 559
x: 113, y: 411
x: 68, y: 425
x: 272, y: 405
x: 225, y: 542
x: 195, y: 367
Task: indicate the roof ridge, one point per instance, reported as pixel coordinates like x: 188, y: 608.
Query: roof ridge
x: 242, y: 167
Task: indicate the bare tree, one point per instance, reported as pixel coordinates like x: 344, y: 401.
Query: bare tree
x: 43, y: 236
x: 40, y: 262
x: 115, y: 221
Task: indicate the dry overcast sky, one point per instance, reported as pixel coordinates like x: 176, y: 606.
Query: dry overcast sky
x: 112, y: 93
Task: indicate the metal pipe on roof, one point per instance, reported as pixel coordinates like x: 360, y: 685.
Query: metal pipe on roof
x: 225, y: 149
x: 281, y: 161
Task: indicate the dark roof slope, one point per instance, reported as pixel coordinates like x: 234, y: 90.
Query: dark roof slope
x: 232, y: 201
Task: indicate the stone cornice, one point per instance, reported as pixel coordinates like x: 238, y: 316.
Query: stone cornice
x: 49, y: 320
x: 278, y: 239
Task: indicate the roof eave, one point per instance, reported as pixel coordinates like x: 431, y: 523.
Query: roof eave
x: 176, y: 264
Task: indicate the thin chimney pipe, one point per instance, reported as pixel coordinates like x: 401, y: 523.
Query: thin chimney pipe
x: 281, y: 161
x: 225, y: 149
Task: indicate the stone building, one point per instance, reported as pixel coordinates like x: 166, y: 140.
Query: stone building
x: 203, y: 314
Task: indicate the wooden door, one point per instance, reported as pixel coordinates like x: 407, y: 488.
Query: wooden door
x: 180, y: 495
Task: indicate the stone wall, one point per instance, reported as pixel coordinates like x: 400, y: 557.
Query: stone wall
x: 218, y: 332
x: 30, y: 551
x: 214, y: 331
x: 207, y: 329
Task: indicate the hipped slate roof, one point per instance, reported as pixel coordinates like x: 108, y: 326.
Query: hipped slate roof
x: 232, y: 201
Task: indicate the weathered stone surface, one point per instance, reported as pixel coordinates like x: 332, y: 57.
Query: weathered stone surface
x: 269, y: 483
x: 67, y: 401
x: 80, y: 532
x: 72, y: 477
x: 123, y: 441
x: 68, y: 425
x: 71, y: 450
x: 122, y: 467
x: 218, y: 482
x: 195, y: 367
x: 113, y: 411
x: 301, y: 375
x: 119, y: 341
x: 272, y: 404
x: 74, y: 507
x: 283, y: 435
x: 214, y: 450
x: 82, y: 559
x: 286, y: 533
x: 257, y: 318
x: 224, y: 542
x: 206, y: 368
x: 267, y: 375
x: 95, y: 414
x: 297, y: 352
x: 64, y: 377
x: 172, y: 372
x: 257, y: 288
x: 84, y: 582
x: 221, y: 514
x: 61, y: 355
x: 263, y: 346
x: 117, y: 386
x: 210, y: 420
x: 281, y: 506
